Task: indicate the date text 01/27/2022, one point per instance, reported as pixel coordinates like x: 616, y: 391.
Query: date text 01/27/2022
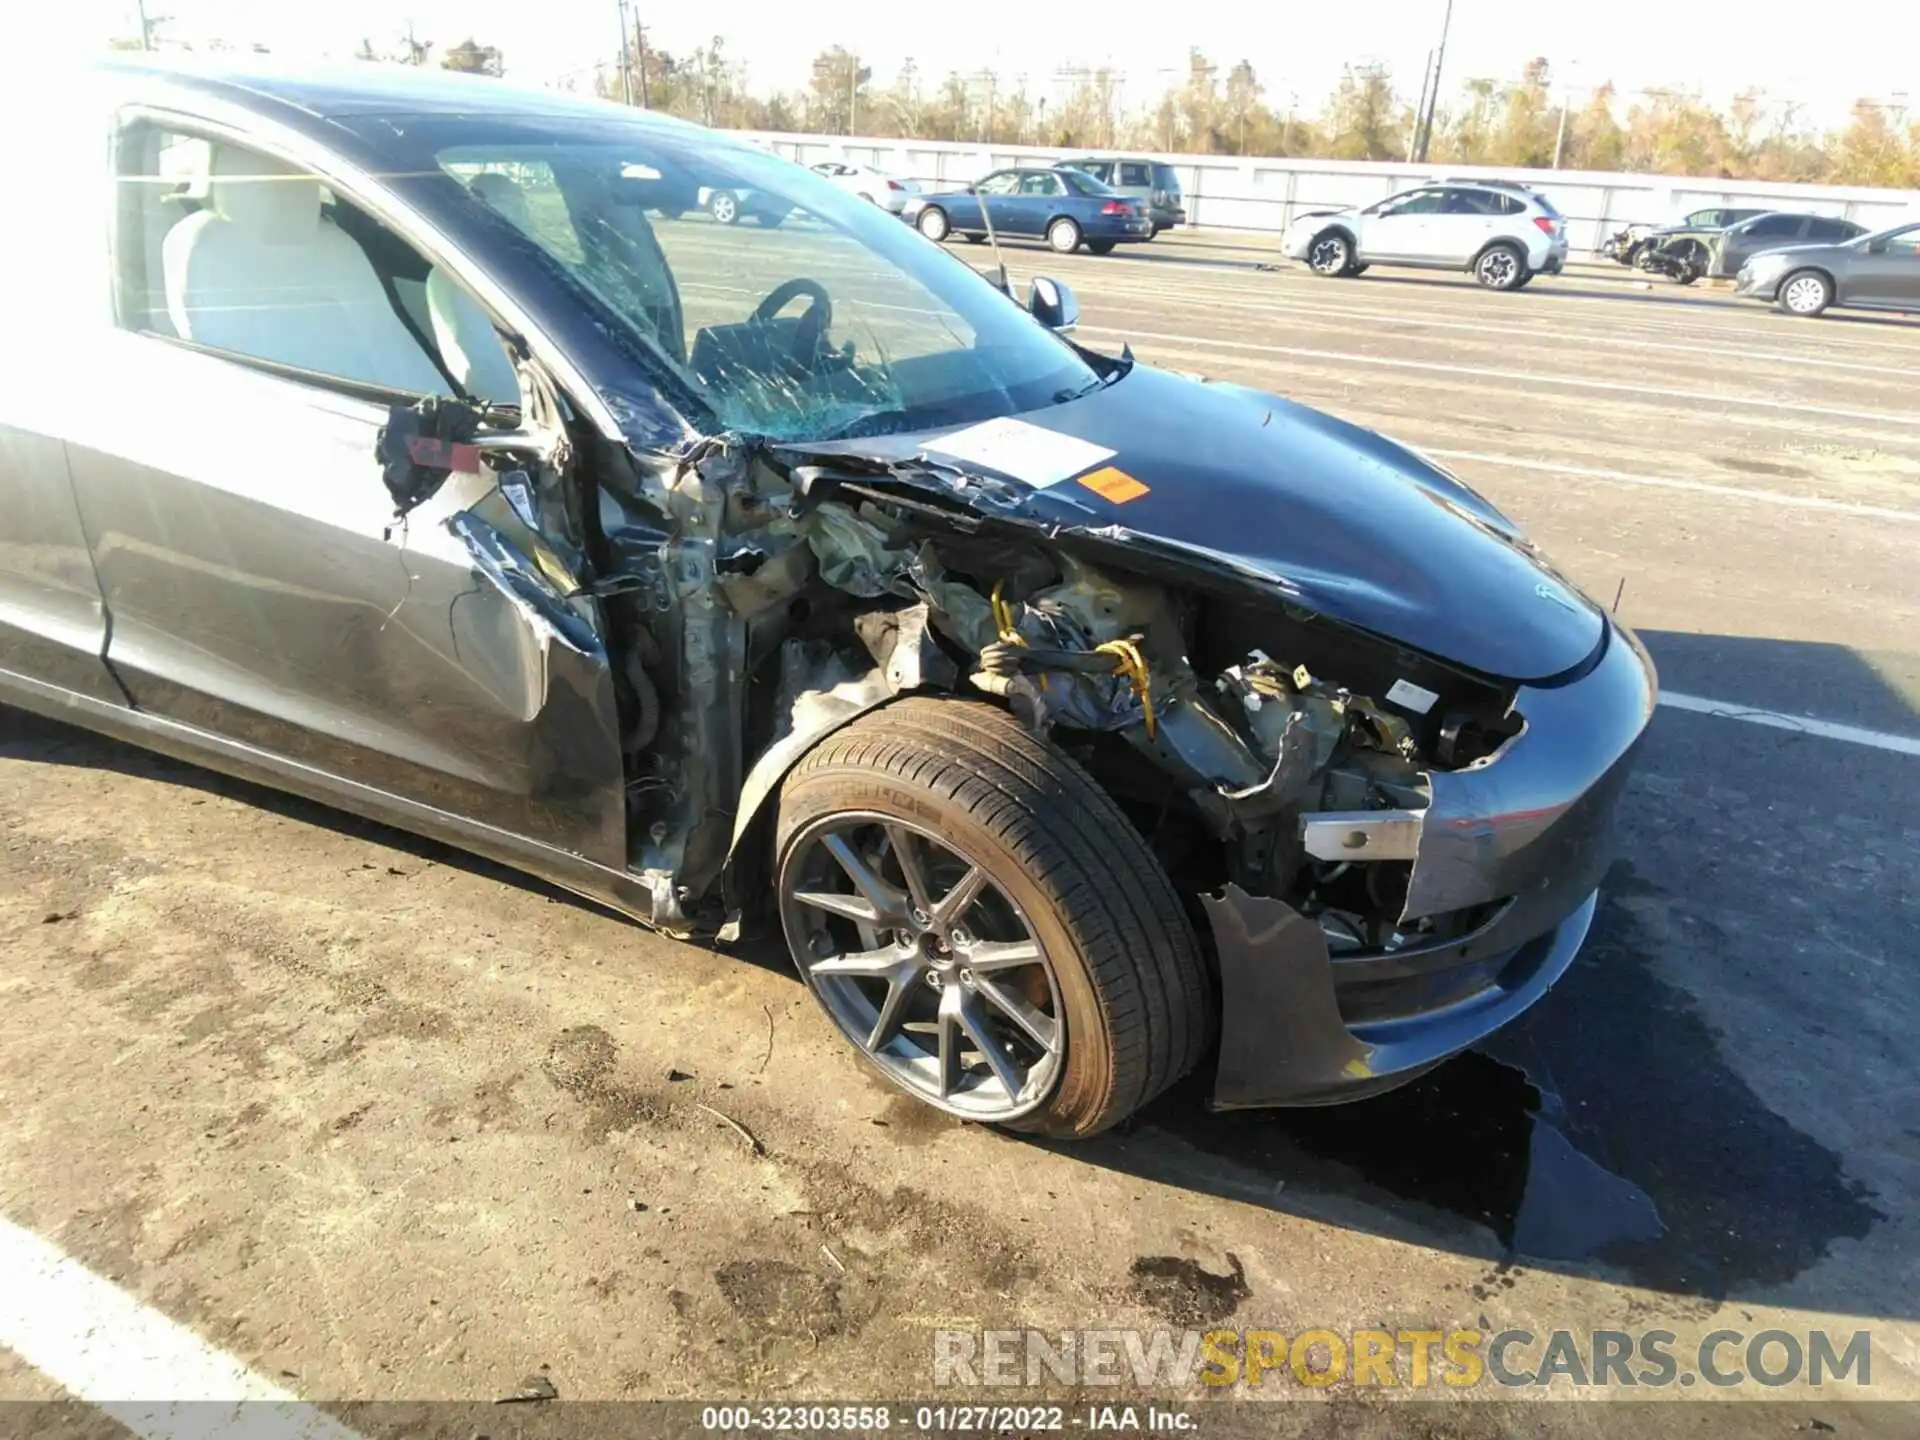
x: 942, y: 1419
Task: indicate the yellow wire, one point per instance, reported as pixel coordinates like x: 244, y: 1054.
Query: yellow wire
x: 1128, y: 661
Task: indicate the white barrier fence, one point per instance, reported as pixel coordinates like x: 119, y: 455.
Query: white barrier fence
x: 1229, y: 192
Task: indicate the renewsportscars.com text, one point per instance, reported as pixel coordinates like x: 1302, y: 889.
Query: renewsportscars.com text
x: 1722, y: 1359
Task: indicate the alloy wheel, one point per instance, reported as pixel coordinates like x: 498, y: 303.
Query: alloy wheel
x: 925, y: 964
x: 1328, y: 255
x: 1498, y: 269
x: 933, y: 224
x: 725, y: 208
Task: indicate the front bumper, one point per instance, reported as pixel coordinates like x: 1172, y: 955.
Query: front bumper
x: 1758, y: 287
x: 1528, y: 833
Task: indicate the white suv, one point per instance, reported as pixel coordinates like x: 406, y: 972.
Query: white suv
x: 1503, y: 236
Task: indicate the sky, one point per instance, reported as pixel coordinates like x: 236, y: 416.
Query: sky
x: 1296, y: 50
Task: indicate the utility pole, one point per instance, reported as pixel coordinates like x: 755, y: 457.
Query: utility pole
x: 146, y: 25
x: 853, y: 88
x: 626, y: 57
x: 1560, y: 136
x: 1433, y: 94
x: 1420, y: 109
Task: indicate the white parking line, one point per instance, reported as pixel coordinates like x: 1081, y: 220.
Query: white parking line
x: 1661, y: 482
x: 1523, y: 377
x: 1779, y: 720
x: 150, y: 1375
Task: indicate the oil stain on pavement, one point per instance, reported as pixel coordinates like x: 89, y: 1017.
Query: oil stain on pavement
x: 1604, y: 1126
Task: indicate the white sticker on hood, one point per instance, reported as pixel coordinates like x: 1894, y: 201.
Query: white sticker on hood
x: 1410, y: 696
x: 1026, y: 452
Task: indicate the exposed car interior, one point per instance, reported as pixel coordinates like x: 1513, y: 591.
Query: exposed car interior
x: 231, y: 249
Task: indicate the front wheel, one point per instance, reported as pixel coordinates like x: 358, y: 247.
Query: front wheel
x: 1805, y: 292
x: 1063, y: 236
x: 1501, y: 267
x: 933, y: 223
x: 983, y: 924
x: 1330, y: 254
x: 1100, y: 247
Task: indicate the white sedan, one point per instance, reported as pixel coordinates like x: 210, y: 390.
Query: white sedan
x: 869, y: 184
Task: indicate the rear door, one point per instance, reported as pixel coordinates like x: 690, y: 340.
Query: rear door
x: 1750, y: 238
x: 1040, y: 199
x: 1467, y: 219
x: 260, y: 584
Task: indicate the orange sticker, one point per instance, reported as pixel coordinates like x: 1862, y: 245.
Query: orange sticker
x: 1115, y: 485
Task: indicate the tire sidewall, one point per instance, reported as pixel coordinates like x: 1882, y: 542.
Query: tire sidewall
x: 1080, y: 1090
x: 932, y: 223
x: 1063, y: 227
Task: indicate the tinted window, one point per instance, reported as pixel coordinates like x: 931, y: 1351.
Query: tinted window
x: 1003, y: 183
x: 1133, y: 172
x: 1776, y: 227
x: 1830, y: 231
x: 1546, y: 206
x: 1166, y: 178
x: 1099, y: 169
x: 1903, y: 242
x: 1472, y: 202
x: 1040, y: 182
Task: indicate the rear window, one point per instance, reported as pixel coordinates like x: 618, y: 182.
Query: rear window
x: 1099, y: 169
x: 1166, y: 178
x: 1135, y: 172
x: 1546, y: 205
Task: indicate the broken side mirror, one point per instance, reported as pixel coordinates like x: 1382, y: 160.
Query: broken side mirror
x: 1051, y: 302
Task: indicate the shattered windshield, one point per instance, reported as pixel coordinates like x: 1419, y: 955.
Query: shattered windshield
x: 790, y: 308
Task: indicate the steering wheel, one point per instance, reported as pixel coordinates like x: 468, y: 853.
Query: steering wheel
x: 811, y: 331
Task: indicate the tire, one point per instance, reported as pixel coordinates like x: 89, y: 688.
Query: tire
x: 1121, y: 966
x: 932, y: 223
x: 1693, y: 260
x: 1805, y: 293
x: 975, y: 237
x: 724, y: 206
x: 1063, y: 236
x: 1501, y: 267
x: 1524, y: 281
x: 1331, y: 254
x: 1100, y: 247
x: 1356, y: 270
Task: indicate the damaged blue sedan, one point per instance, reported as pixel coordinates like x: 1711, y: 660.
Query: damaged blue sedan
x: 417, y: 444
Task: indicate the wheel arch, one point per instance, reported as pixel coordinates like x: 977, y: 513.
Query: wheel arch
x: 1499, y: 242
x: 1833, y: 281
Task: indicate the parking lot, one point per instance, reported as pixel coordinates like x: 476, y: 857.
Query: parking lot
x: 386, y: 1122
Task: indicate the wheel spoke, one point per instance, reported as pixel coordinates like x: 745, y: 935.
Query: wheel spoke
x: 988, y: 955
x: 861, y: 962
x: 948, y: 1058
x: 1009, y: 1074
x: 1042, y: 1029
x: 886, y: 901
x: 960, y: 899
x: 835, y: 902
x: 887, y: 1024
x: 906, y: 853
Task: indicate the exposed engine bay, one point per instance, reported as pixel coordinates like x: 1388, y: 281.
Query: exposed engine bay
x: 765, y: 600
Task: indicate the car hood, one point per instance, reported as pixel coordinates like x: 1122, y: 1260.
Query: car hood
x: 1334, y: 517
